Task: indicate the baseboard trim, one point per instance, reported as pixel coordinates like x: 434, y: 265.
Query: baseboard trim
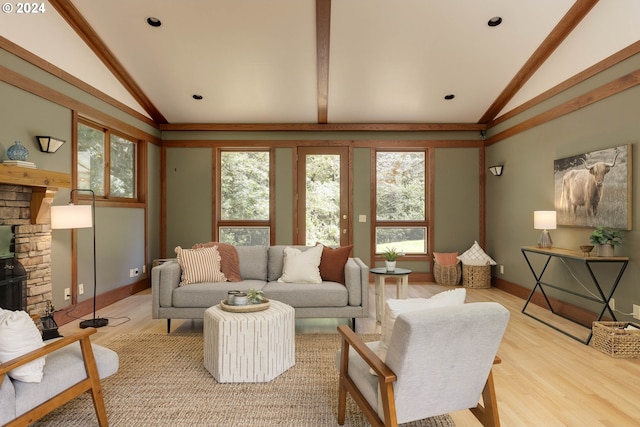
x: 84, y: 308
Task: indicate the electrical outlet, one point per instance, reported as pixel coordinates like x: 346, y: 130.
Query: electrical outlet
x: 612, y: 304
x: 144, y: 269
x: 501, y: 269
x: 81, y: 289
x: 636, y: 311
x: 67, y: 294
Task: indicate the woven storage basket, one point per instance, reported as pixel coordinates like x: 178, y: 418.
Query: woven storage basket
x: 447, y: 274
x: 476, y: 276
x: 611, y: 338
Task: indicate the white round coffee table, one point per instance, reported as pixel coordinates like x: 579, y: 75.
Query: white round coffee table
x: 249, y: 347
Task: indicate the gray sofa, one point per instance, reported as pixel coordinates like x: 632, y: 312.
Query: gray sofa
x: 260, y: 268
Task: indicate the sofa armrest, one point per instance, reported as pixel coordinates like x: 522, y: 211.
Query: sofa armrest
x: 164, y: 279
x: 356, y: 274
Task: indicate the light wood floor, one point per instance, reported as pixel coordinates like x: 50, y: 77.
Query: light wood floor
x: 545, y: 379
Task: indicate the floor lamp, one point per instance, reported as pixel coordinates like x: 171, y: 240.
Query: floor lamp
x: 80, y: 216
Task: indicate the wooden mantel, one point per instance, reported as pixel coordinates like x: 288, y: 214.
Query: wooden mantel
x: 44, y: 185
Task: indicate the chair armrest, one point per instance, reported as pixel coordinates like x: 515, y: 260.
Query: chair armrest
x: 349, y: 338
x: 43, y: 351
x: 357, y: 282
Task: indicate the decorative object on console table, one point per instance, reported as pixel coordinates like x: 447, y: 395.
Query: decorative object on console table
x: 49, y: 144
x: 606, y: 239
x: 81, y: 216
x: 18, y: 152
x: 545, y: 221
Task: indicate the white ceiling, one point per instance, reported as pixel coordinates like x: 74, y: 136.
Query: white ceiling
x: 390, y: 61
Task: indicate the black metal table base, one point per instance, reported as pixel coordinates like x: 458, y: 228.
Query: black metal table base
x: 601, y: 298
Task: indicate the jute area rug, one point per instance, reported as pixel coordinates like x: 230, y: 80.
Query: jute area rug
x: 162, y: 382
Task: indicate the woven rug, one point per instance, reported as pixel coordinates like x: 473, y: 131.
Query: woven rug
x: 162, y: 382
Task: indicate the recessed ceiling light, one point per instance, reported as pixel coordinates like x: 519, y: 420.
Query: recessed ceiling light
x: 197, y: 97
x: 449, y: 97
x: 495, y: 21
x: 153, y: 21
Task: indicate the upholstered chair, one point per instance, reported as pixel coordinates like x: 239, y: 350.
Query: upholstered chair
x: 439, y: 360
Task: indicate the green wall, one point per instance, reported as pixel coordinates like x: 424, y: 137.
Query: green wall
x: 527, y: 185
x: 119, y: 231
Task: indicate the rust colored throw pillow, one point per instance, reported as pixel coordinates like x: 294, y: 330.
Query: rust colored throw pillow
x: 229, y: 261
x: 446, y: 258
x: 332, y: 263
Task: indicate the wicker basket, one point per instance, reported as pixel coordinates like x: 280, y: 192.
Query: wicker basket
x: 611, y: 338
x: 476, y: 276
x: 447, y: 274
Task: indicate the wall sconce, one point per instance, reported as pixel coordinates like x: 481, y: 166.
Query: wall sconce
x: 544, y: 220
x: 49, y: 144
x: 496, y: 170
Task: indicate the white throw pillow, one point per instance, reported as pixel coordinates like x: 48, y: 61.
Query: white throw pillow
x: 395, y: 307
x: 200, y: 265
x: 301, y: 266
x: 18, y: 336
x: 476, y: 256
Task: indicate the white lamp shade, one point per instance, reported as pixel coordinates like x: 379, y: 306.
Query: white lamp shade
x: 544, y: 220
x: 71, y: 216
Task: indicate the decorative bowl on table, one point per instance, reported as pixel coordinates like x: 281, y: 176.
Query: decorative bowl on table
x: 246, y: 308
x: 586, y: 249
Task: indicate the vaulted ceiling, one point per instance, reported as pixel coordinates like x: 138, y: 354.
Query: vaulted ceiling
x: 323, y: 61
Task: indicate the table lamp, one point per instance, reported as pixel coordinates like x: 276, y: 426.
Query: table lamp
x: 545, y: 221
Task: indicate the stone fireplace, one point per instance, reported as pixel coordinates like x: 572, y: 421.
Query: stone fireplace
x: 25, y: 197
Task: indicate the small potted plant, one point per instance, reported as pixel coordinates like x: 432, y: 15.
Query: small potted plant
x: 390, y: 256
x: 605, y: 239
x: 255, y: 296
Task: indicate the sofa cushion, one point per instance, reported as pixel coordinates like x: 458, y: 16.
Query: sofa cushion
x: 299, y: 295
x: 301, y: 266
x: 19, y: 335
x: 207, y: 294
x: 200, y: 265
x: 332, y: 263
x: 253, y: 262
x: 64, y: 368
x: 229, y: 261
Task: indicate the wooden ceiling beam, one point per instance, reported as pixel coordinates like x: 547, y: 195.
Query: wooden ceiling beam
x: 311, y: 127
x: 323, y: 30
x: 77, y: 22
x: 567, y: 24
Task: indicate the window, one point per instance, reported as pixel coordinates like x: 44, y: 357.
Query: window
x: 106, y: 162
x: 401, y: 201
x: 244, y: 216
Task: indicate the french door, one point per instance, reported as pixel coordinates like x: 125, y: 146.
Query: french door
x: 323, y: 196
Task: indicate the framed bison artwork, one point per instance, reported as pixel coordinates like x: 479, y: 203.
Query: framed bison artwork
x: 593, y: 189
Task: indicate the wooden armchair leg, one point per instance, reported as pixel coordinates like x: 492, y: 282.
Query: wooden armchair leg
x: 487, y: 413
x: 94, y: 379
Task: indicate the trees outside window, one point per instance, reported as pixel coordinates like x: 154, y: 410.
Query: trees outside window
x: 245, y: 202
x: 106, y: 162
x: 401, y: 201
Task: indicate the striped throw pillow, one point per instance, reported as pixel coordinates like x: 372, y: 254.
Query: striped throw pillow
x: 200, y: 265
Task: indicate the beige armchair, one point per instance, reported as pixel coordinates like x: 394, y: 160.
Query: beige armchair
x: 73, y: 366
x: 439, y: 361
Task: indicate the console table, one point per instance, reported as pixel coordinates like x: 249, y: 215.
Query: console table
x: 602, y: 296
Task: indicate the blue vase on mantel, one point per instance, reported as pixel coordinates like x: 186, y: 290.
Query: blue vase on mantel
x: 18, y: 152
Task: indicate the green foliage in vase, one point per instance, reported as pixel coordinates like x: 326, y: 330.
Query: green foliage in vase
x: 255, y: 296
x: 606, y: 236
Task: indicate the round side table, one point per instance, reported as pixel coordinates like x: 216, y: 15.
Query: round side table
x: 402, y: 286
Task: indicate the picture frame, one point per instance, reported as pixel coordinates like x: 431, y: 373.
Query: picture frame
x: 594, y: 189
